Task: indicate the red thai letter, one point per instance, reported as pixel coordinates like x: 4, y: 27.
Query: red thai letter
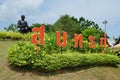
x: 76, y: 39
x: 103, y: 41
x: 92, y: 43
x: 58, y: 40
x: 39, y: 35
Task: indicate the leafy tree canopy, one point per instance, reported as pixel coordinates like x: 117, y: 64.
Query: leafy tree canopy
x: 12, y: 27
x: 73, y: 25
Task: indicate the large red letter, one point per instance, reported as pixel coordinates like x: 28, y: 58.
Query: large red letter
x: 76, y: 39
x: 64, y: 43
x: 92, y: 43
x: 103, y: 41
x: 40, y: 35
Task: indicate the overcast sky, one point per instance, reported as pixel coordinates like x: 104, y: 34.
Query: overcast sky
x: 48, y: 11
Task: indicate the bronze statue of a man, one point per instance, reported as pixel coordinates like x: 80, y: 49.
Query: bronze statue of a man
x: 22, y: 25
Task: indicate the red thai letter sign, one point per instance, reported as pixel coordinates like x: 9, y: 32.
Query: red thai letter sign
x: 58, y: 39
x: 103, y: 41
x: 40, y: 35
x: 76, y: 39
x: 92, y: 43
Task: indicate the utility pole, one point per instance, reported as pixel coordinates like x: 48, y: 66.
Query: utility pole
x: 105, y: 22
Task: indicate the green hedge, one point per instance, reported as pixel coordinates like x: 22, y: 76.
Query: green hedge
x: 14, y: 35
x: 28, y: 55
x: 58, y: 61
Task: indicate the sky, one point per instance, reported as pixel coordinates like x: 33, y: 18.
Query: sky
x: 48, y: 11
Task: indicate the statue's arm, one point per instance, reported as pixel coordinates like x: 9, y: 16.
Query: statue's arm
x: 26, y: 23
x: 19, y: 24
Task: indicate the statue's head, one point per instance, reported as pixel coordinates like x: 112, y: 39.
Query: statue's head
x: 22, y: 17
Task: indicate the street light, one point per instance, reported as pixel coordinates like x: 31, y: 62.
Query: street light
x: 105, y: 22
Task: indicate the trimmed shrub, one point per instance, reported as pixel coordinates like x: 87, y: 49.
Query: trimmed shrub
x: 3, y: 35
x: 14, y: 35
x: 21, y: 53
x: 27, y: 54
x: 59, y: 61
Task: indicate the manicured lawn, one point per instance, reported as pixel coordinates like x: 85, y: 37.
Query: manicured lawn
x: 88, y: 73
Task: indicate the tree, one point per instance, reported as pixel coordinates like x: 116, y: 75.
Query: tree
x: 48, y: 27
x: 35, y: 25
x: 68, y: 24
x: 12, y: 27
x: 72, y: 25
x: 87, y: 23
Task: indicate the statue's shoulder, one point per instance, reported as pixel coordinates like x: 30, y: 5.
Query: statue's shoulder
x: 19, y: 20
x: 25, y: 21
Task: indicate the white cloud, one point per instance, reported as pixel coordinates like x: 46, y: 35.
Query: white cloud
x: 51, y: 10
x: 12, y: 8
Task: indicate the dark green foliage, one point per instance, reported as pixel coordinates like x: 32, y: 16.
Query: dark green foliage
x: 35, y: 25
x: 48, y: 27
x: 72, y: 25
x: 12, y: 27
x: 87, y: 24
x: 68, y: 24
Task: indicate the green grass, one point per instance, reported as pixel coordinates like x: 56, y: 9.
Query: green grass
x: 85, y: 73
